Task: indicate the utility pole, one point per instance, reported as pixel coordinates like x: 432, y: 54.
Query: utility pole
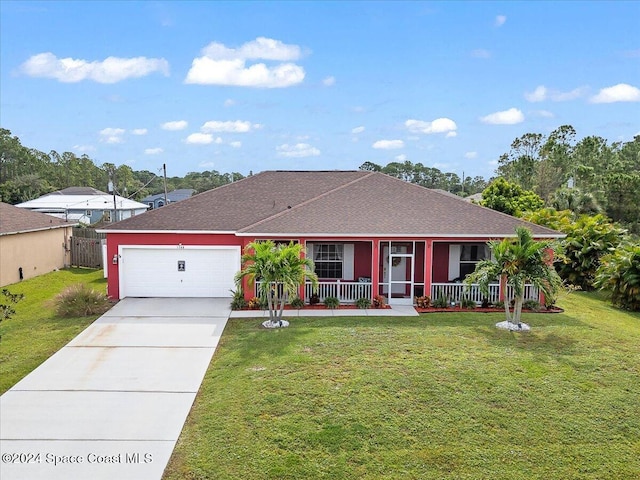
x: 164, y: 169
x: 113, y: 187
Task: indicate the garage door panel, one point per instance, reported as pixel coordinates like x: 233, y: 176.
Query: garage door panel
x: 173, y: 272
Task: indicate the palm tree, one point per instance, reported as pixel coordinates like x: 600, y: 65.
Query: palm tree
x: 280, y: 269
x: 520, y: 260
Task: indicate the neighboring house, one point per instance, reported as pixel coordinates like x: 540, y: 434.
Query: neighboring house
x: 475, y: 198
x: 85, y: 205
x: 367, y: 233
x: 31, y: 244
x: 158, y: 200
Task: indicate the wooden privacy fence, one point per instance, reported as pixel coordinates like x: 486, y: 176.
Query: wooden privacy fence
x: 86, y: 248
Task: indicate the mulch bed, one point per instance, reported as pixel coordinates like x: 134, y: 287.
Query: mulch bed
x: 484, y: 310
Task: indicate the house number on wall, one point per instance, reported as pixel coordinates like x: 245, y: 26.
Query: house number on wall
x: 181, y: 265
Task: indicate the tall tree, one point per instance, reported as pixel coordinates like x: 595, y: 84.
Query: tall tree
x: 519, y: 165
x: 510, y: 198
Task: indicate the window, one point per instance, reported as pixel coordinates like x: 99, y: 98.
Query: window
x: 470, y: 255
x: 328, y: 259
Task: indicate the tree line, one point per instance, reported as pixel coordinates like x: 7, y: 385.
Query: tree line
x: 27, y: 173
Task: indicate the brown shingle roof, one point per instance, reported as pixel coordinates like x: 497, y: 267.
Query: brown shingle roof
x: 20, y: 220
x: 332, y: 203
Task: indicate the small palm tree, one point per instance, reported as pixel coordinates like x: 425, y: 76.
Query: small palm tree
x: 280, y: 269
x: 521, y: 260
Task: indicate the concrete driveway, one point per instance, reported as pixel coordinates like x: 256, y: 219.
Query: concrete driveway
x: 111, y: 403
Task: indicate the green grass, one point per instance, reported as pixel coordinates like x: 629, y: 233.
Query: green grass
x: 34, y: 333
x: 442, y: 396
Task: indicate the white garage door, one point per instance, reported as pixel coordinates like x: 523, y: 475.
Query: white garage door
x: 185, y: 271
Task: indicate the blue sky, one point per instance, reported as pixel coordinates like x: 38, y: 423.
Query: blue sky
x: 234, y: 86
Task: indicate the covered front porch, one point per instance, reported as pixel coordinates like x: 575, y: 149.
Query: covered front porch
x: 400, y: 271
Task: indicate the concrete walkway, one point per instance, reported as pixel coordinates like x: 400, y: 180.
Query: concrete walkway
x: 111, y: 403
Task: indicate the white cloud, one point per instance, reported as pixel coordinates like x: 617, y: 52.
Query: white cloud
x: 261, y: 47
x: 388, y: 144
x: 153, y: 151
x: 506, y: 117
x: 84, y: 148
x: 542, y: 93
x: 299, y: 150
x: 110, y: 70
x: 400, y: 158
x: 500, y: 19
x: 220, y: 65
x: 538, y: 95
x: 237, y: 126
x: 544, y: 113
x: 439, y: 125
x: 329, y: 81
x: 229, y: 102
x: 451, y: 134
x: 112, y: 135
x: 207, y: 164
x: 471, y: 155
x: 139, y: 131
x: 175, y: 125
x: 358, y: 130
x: 236, y: 144
x: 480, y: 53
x: 199, y: 139
x: 621, y: 92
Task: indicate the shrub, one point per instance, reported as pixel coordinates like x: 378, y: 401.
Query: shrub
x: 297, y: 302
x: 485, y: 303
x: 467, y: 303
x: 81, y: 301
x: 532, y: 305
x: 237, y: 300
x: 423, y: 301
x: 499, y: 304
x: 441, y: 302
x: 619, y: 273
x: 363, y: 303
x: 379, y: 301
x: 314, y: 299
x: 331, y: 302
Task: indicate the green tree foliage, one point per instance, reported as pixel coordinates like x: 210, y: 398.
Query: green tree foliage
x: 551, y: 218
x: 619, y: 274
x: 575, y: 200
x: 588, y: 239
x: 521, y: 260
x: 280, y: 269
x: 510, y: 198
x: 429, y: 177
x: 520, y: 164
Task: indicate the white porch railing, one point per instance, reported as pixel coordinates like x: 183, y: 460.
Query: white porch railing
x: 346, y: 292
x: 456, y: 291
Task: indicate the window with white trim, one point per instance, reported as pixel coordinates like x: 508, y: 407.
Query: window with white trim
x: 470, y: 255
x: 328, y: 259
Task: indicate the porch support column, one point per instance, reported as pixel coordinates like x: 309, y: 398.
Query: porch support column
x: 375, y: 267
x: 428, y: 267
x: 248, y: 295
x: 303, y: 254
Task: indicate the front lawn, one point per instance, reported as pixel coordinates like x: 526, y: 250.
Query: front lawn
x: 439, y: 396
x: 34, y: 333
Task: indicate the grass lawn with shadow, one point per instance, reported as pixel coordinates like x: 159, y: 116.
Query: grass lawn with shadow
x: 440, y: 396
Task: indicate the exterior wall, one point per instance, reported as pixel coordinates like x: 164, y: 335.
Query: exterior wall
x: 440, y: 263
x: 36, y: 252
x: 114, y: 240
x: 362, y: 260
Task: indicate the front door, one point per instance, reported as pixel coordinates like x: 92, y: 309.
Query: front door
x: 398, y: 276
